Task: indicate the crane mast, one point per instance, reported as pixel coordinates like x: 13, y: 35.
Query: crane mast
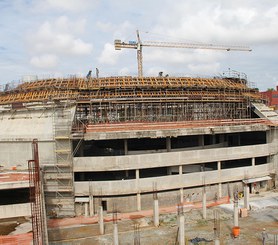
x: 139, y: 45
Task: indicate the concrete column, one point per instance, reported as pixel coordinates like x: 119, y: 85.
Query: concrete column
x: 115, y: 234
x: 168, y: 143
x: 138, y: 196
x: 219, y: 190
x: 246, y: 197
x: 82, y: 176
x: 268, y: 136
x: 181, y: 189
x: 204, y: 203
x: 181, y: 195
x: 222, y: 138
x: 81, y: 149
x: 155, y: 213
x: 100, y: 220
x: 201, y: 140
x: 91, y: 206
x: 213, y: 139
x: 181, y: 230
x: 235, y: 213
x: 219, y: 178
x: 137, y: 176
x: 125, y: 147
x: 86, y: 209
x: 253, y: 161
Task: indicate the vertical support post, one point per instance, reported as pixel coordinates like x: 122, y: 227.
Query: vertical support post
x: 91, y: 205
x: 91, y: 200
x: 86, y: 209
x: 138, y: 196
x: 204, y: 203
x: 125, y: 147
x: 115, y: 226
x: 235, y: 212
x: 253, y: 161
x: 246, y: 196
x: 155, y: 213
x: 181, y: 224
x: 219, y: 177
x: 168, y: 143
x: 201, y: 141
x: 155, y: 206
x: 100, y: 220
x: 181, y: 229
x: 181, y: 189
x: 115, y: 234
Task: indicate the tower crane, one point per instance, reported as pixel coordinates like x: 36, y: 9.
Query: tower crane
x: 139, y: 45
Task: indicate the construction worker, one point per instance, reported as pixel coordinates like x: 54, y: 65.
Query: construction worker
x: 264, y: 236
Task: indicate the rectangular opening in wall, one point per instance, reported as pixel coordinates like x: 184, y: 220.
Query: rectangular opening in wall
x: 260, y: 160
x: 104, y: 175
x: 184, y: 142
x: 102, y: 148
x: 253, y: 138
x: 104, y: 205
x: 153, y: 172
x: 236, y: 163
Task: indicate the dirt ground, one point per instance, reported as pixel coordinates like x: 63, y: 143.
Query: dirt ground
x: 263, y: 214
x: 251, y: 228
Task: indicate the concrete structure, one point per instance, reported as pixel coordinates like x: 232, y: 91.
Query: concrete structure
x: 111, y: 139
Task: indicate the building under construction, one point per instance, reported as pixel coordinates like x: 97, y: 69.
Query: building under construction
x: 116, y: 140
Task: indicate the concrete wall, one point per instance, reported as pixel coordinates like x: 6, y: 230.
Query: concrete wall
x: 15, y: 210
x: 169, y: 182
x: 19, y: 128
x: 166, y: 199
x: 83, y: 164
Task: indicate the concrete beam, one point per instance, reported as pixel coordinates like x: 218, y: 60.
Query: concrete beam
x: 168, y: 182
x: 113, y: 163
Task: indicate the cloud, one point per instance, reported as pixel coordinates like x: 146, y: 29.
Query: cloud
x: 59, y: 37
x: 109, y: 55
x: 44, y: 61
x: 124, y: 72
x: 204, y: 68
x: 67, y: 5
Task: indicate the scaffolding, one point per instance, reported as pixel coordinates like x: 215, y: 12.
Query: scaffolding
x: 58, y: 177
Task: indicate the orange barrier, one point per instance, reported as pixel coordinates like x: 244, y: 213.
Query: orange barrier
x: 236, y: 231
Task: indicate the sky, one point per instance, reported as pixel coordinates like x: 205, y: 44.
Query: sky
x: 62, y: 38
